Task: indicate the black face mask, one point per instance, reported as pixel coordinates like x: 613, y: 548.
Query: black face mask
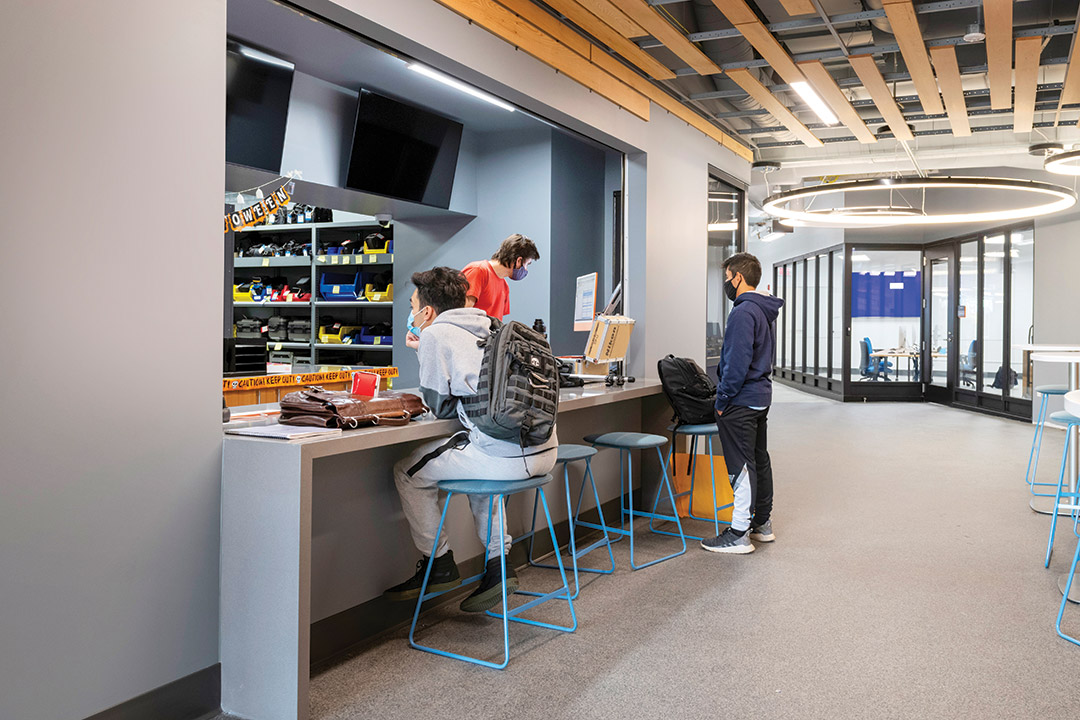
x: 730, y: 290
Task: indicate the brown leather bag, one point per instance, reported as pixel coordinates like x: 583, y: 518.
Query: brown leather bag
x: 316, y: 407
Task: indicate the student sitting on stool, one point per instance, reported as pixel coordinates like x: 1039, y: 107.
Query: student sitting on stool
x: 450, y: 369
x: 743, y: 396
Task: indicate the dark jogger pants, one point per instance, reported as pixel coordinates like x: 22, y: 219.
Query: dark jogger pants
x: 744, y: 437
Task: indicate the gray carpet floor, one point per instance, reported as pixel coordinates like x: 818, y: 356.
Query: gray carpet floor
x: 906, y: 581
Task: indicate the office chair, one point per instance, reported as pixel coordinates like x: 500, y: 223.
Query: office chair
x: 872, y: 368
x: 968, y: 363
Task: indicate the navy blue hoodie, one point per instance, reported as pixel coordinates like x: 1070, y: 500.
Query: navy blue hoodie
x: 746, y: 360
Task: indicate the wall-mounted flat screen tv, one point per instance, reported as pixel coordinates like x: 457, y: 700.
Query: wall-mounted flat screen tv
x: 256, y: 106
x: 403, y: 152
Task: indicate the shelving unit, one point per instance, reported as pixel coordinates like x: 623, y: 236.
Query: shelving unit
x: 321, y: 237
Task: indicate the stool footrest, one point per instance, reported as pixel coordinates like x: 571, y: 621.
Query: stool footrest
x: 655, y: 516
x: 539, y: 598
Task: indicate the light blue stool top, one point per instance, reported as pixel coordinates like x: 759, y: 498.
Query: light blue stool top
x: 626, y: 440
x: 493, y: 487
x: 1052, y: 389
x: 704, y: 429
x: 1065, y: 418
x: 570, y: 453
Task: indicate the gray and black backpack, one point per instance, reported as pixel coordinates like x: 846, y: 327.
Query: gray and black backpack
x: 518, y: 393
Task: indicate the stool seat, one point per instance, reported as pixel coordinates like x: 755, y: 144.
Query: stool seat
x: 493, y: 487
x: 1052, y: 389
x: 626, y: 440
x: 703, y: 429
x: 571, y: 453
x: 1065, y: 418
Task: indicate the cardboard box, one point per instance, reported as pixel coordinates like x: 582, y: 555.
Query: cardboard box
x: 609, y: 338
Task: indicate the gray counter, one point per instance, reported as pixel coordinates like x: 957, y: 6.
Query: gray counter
x: 311, y: 528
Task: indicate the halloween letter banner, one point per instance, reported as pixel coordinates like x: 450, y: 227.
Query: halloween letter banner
x: 257, y: 213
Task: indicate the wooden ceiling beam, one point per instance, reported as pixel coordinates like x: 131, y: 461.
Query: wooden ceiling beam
x: 603, y: 32
x: 644, y: 15
x: 614, y: 67
x: 1028, y: 50
x: 753, y: 87
x: 517, y: 31
x: 952, y: 89
x: 740, y: 14
x: 998, y: 18
x: 866, y: 68
x: 799, y: 7
x: 1070, y: 90
x: 834, y: 97
x: 614, y: 17
x: 905, y: 27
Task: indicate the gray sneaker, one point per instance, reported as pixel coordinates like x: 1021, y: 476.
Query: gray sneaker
x: 763, y: 532
x: 728, y: 542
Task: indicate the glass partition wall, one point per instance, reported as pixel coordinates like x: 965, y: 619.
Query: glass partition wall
x: 994, y: 310
x: 903, y: 322
x: 809, y: 330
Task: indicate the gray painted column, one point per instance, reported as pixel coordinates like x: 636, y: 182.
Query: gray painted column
x: 265, y: 580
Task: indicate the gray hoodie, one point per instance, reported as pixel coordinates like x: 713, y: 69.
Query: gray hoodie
x: 450, y: 368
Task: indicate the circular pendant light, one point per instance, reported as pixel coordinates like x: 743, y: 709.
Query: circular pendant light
x: 1063, y: 163
x: 1041, y: 199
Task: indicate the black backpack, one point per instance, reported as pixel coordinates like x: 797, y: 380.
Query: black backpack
x: 518, y: 393
x: 690, y: 391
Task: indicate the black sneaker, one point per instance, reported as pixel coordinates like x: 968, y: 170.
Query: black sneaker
x: 728, y: 542
x: 444, y: 576
x: 489, y: 593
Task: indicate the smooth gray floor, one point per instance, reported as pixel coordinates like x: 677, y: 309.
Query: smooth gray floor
x: 906, y: 581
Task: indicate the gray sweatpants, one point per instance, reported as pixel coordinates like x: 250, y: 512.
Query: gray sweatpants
x: 454, y: 458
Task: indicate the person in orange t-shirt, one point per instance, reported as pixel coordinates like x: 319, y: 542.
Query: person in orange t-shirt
x: 488, y: 289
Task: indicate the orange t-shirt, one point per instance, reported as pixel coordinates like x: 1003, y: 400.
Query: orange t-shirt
x: 492, y: 292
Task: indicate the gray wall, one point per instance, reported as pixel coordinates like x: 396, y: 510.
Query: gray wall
x: 109, y: 501
x: 578, y: 241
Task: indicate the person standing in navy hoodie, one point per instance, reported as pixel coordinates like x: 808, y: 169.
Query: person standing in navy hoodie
x: 743, y: 396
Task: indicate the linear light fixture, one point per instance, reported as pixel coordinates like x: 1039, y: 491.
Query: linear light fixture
x: 723, y: 226
x: 860, y: 258
x: 1054, y: 199
x: 815, y: 102
x: 264, y: 58
x: 458, y: 85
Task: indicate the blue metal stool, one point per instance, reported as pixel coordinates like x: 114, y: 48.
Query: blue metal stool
x: 496, y: 490
x: 1036, y: 442
x: 567, y: 455
x: 1068, y: 589
x: 707, y: 431
x: 1069, y: 421
x: 626, y: 442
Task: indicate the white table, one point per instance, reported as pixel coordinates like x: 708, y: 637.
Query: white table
x: 1028, y: 348
x: 1072, y: 359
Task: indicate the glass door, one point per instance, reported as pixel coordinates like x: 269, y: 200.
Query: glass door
x: 939, y: 325
x: 725, y: 238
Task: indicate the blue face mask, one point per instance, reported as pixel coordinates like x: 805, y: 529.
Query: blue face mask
x: 519, y: 273
x: 409, y: 324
